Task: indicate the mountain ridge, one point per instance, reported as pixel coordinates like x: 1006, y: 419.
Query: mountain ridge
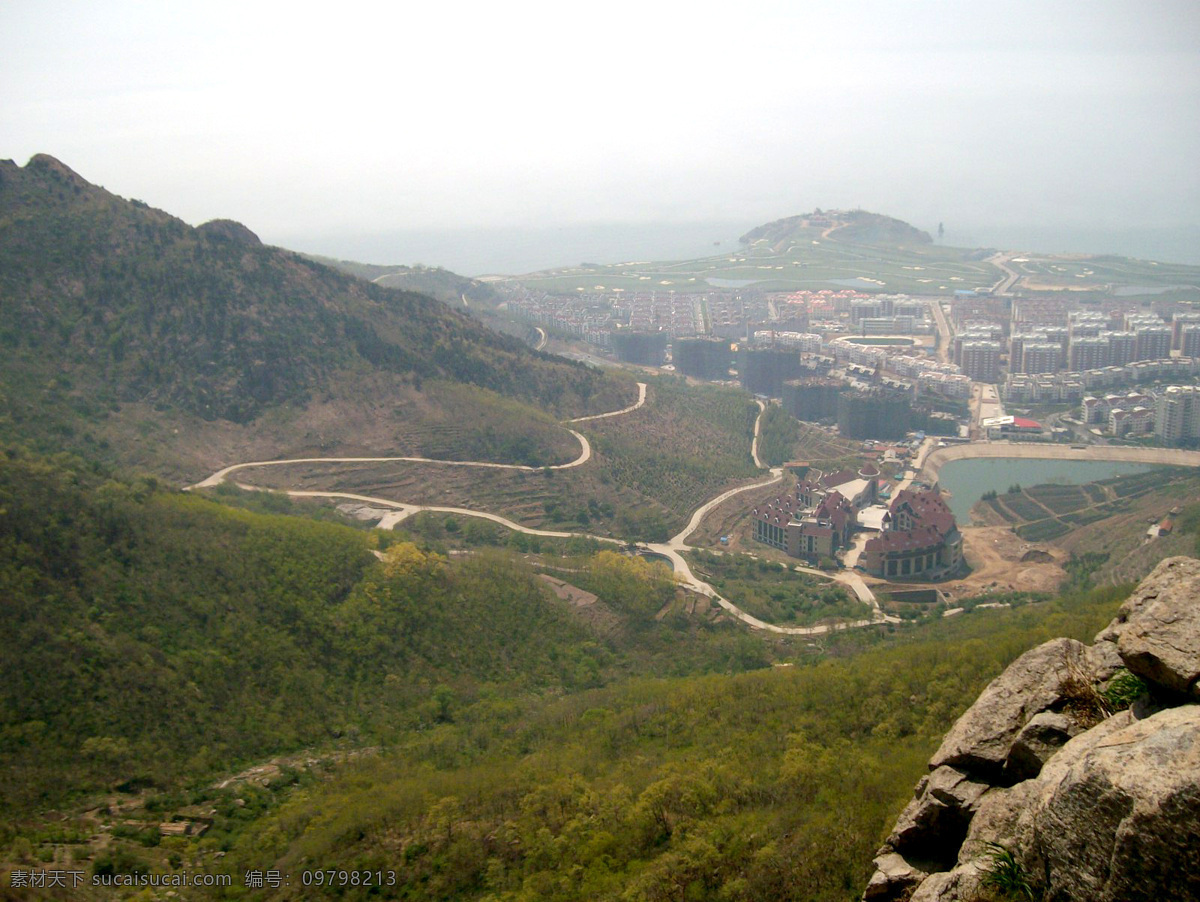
x: 107, y: 303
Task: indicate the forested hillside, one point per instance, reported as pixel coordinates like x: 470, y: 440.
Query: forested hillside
x: 154, y: 635
x: 519, y: 749
x: 106, y: 303
x: 778, y: 784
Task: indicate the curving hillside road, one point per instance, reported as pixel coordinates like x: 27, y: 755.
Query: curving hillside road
x: 615, y: 413
x: 220, y: 476
x: 762, y: 411
x: 1010, y: 277
x: 672, y: 550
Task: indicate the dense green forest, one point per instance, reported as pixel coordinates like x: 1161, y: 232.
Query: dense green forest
x: 501, y: 745
x: 777, y: 784
x: 153, y: 634
x: 106, y: 302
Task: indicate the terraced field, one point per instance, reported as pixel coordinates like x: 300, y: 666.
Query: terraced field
x: 649, y: 470
x: 1110, y: 517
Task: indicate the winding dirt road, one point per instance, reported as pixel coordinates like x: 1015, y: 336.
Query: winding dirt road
x: 220, y: 476
x: 672, y: 550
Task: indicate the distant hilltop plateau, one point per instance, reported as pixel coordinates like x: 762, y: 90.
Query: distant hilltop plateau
x: 129, y: 333
x: 857, y: 226
x: 434, y: 281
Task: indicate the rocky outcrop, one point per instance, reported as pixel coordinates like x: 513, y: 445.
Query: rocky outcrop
x: 982, y: 740
x: 1157, y: 631
x: 1040, y: 786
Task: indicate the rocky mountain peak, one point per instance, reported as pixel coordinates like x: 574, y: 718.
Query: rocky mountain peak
x: 47, y: 166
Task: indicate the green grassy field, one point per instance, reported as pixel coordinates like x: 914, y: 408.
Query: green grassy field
x: 820, y: 263
x: 1077, y: 271
x: 813, y: 261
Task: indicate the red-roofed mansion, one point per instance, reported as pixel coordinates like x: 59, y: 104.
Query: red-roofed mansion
x: 923, y: 541
x: 816, y: 520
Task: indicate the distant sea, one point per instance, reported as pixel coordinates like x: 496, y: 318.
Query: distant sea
x: 493, y: 251
x: 486, y: 251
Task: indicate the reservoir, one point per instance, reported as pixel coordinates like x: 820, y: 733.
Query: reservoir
x: 968, y: 480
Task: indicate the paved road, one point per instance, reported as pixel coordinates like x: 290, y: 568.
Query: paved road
x: 1000, y: 260
x: 600, y: 416
x: 758, y: 461
x: 945, y: 336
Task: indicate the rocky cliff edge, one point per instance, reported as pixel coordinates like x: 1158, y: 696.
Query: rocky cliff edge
x: 1076, y: 773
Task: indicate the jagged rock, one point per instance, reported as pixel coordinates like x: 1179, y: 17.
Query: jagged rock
x: 981, y: 740
x: 1117, y: 813
x: 961, y: 883
x: 1103, y: 660
x: 1106, y: 813
x: 936, y: 820
x: 1044, y: 735
x: 998, y: 818
x: 1157, y: 630
x: 894, y: 879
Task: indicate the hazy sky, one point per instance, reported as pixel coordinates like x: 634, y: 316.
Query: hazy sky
x: 303, y: 120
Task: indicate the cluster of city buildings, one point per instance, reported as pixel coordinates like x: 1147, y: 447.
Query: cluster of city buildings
x: 891, y: 314
x: 900, y: 371
x: 1070, y: 387
x: 651, y: 311
x: 595, y: 317
x: 915, y: 536
x: 723, y: 314
x: 1171, y: 413
x: 1039, y: 337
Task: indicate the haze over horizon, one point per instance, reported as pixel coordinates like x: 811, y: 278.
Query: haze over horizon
x: 399, y: 135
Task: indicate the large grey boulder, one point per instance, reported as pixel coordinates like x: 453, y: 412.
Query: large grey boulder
x: 1084, y: 806
x: 894, y: 879
x: 932, y: 826
x: 1041, y: 737
x: 957, y: 885
x: 1157, y: 630
x: 982, y: 739
x: 1117, y: 817
x: 1003, y: 813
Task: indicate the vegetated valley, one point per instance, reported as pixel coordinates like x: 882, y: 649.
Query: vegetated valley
x: 237, y: 683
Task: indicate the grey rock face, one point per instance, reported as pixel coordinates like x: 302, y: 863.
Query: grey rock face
x: 981, y: 740
x: 1105, y: 811
x: 1003, y: 812
x: 1041, y: 737
x: 934, y: 823
x: 894, y: 878
x: 1157, y: 631
x: 1119, y: 818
